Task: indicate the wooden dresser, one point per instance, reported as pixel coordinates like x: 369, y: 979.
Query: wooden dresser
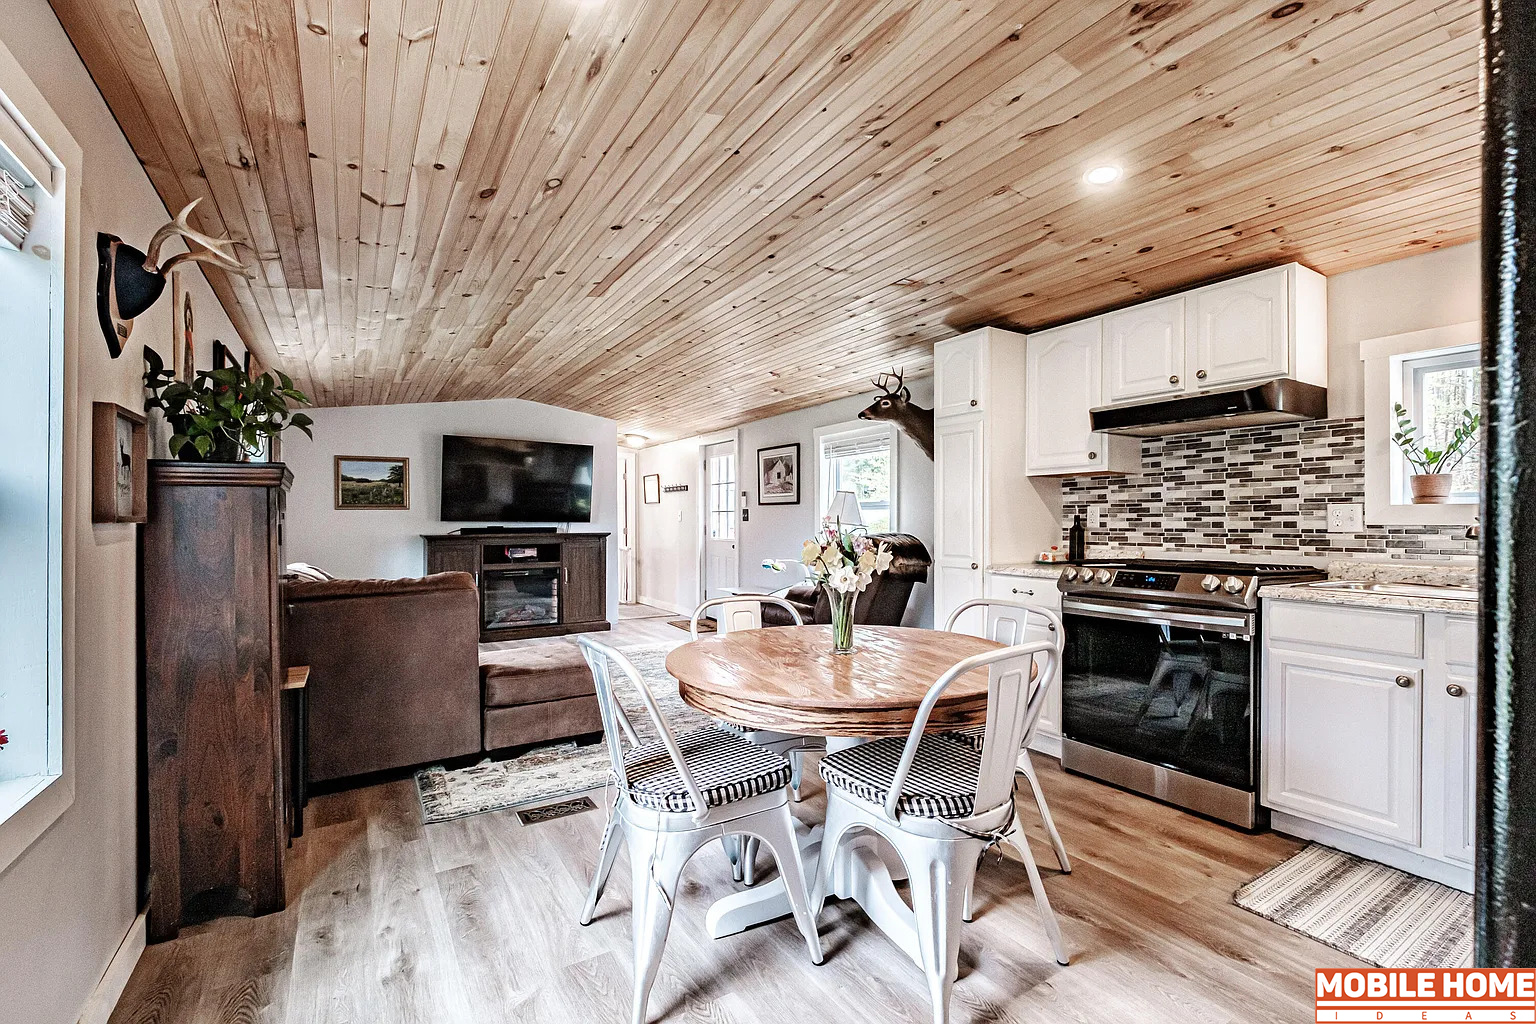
x: 211, y: 561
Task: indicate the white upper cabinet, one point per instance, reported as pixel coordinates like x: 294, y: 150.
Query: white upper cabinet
x: 1144, y: 351
x: 1063, y: 380
x: 960, y: 374
x: 1240, y: 329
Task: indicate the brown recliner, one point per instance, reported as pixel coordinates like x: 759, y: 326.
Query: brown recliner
x: 394, y: 670
x: 883, y: 602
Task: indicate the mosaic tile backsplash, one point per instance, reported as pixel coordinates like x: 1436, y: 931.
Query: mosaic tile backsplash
x: 1249, y: 490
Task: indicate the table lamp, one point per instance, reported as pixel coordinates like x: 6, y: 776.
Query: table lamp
x: 845, y: 509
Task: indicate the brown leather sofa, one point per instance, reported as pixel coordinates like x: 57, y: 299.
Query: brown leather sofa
x: 394, y: 670
x: 884, y: 601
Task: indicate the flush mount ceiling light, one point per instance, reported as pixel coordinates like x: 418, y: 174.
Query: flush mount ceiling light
x: 1104, y: 174
x: 635, y: 440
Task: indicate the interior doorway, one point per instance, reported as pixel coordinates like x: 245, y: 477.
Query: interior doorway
x: 721, y: 569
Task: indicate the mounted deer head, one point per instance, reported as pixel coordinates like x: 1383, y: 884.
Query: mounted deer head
x: 894, y: 403
x: 129, y: 281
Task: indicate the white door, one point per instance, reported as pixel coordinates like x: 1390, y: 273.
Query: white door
x: 959, y: 525
x: 627, y: 479
x: 959, y: 374
x: 1341, y: 743
x: 720, y: 565
x: 1144, y: 351
x: 1062, y: 381
x: 1241, y: 329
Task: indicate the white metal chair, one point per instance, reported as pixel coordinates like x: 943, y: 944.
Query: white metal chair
x: 1008, y: 622
x: 941, y: 803
x: 676, y: 795
x: 745, y: 611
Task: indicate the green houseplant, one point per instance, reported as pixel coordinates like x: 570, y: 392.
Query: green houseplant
x: 222, y: 415
x: 1431, y: 480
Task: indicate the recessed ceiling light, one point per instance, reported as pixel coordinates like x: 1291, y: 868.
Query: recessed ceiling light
x: 1103, y: 175
x: 635, y: 440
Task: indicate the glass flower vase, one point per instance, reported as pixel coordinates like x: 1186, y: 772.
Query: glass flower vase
x: 842, y: 620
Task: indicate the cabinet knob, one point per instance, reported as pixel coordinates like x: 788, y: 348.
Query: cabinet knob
x: 1405, y: 681
x: 975, y: 565
x: 1200, y: 374
x: 1093, y: 455
x: 973, y: 403
x: 1051, y: 626
x: 1174, y: 379
x: 1455, y: 690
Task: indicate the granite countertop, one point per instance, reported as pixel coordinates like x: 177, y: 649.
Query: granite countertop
x: 1033, y: 570
x: 1444, y: 574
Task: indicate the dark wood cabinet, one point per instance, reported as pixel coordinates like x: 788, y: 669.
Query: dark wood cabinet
x: 211, y: 562
x: 531, y: 584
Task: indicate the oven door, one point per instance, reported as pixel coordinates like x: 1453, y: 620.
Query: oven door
x: 1170, y: 686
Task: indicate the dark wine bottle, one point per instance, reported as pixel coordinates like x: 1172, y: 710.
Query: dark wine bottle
x: 1077, y: 540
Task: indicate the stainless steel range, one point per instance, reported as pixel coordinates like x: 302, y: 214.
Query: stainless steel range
x: 1161, y: 674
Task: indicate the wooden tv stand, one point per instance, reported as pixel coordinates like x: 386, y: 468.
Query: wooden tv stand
x: 531, y: 584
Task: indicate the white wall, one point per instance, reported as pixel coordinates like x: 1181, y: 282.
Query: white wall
x: 1434, y: 289
x: 68, y: 901
x: 670, y: 533
x: 369, y: 543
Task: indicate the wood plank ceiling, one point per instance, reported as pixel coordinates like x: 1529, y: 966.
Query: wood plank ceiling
x: 685, y: 214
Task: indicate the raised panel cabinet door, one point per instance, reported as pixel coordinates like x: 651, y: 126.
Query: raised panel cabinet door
x: 1241, y: 329
x: 1451, y: 711
x: 959, y: 520
x: 959, y: 374
x: 452, y: 557
x: 1341, y: 743
x: 1144, y: 351
x: 1036, y: 593
x: 583, y: 581
x: 1063, y: 382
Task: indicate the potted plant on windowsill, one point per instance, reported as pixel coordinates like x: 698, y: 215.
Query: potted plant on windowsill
x: 222, y: 415
x: 1430, y: 484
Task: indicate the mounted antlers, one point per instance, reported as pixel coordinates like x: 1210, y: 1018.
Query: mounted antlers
x: 894, y: 404
x: 129, y: 281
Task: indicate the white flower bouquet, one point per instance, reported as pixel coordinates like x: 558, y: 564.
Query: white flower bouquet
x: 844, y: 561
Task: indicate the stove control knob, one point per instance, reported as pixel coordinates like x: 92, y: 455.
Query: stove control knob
x: 1233, y: 585
x: 1069, y: 573
x: 1102, y: 576
x: 1209, y: 584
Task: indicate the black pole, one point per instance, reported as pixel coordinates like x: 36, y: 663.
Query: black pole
x: 1506, y: 754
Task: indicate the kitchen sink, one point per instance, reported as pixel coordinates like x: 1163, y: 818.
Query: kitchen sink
x: 1443, y: 592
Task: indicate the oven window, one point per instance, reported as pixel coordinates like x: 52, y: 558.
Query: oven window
x: 1169, y: 695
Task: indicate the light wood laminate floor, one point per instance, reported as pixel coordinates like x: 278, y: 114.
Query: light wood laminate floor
x: 474, y: 921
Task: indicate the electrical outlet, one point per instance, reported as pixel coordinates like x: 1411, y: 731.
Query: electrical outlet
x: 1346, y: 517
x: 1096, y: 517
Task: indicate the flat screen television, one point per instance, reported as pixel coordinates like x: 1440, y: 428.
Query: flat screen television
x: 501, y: 480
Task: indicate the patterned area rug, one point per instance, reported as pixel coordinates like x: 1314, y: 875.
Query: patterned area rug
x: 1378, y: 914
x: 561, y: 770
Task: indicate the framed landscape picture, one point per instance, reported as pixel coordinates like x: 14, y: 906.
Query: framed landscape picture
x: 373, y: 481
x: 778, y: 475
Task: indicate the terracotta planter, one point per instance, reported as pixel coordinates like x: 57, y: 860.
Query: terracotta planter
x: 1430, y: 488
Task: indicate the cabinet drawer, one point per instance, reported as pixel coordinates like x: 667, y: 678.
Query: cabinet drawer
x: 1372, y: 630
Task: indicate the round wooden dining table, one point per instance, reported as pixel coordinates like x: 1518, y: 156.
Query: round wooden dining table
x: 788, y: 679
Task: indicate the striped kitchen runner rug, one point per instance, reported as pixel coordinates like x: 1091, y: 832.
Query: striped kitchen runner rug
x: 1378, y: 914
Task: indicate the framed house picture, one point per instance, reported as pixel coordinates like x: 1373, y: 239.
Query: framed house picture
x: 119, y: 464
x: 373, y: 482
x: 778, y: 475
x: 651, y: 484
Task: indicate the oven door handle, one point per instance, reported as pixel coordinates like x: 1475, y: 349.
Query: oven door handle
x: 1162, y: 615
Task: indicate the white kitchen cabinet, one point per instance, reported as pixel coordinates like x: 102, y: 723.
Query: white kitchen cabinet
x: 959, y: 375
x: 1037, y: 593
x: 1240, y: 330
x: 959, y: 526
x: 1342, y: 743
x: 1144, y: 351
x: 1063, y: 381
x: 1450, y: 750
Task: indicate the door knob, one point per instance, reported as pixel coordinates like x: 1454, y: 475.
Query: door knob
x: 1405, y: 681
x: 1454, y: 690
x: 1173, y: 379
x: 1200, y: 374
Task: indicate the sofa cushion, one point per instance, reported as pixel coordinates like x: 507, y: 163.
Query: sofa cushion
x: 319, y: 590
x: 544, y: 722
x: 527, y: 675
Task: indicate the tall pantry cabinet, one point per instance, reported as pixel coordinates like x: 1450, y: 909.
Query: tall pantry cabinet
x: 986, y: 510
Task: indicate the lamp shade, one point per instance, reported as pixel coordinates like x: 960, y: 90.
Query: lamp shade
x: 845, y: 509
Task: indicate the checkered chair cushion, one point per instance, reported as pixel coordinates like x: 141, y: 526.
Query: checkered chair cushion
x: 942, y: 783
x: 726, y: 767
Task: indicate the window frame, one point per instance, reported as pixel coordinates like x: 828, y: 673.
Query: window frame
x: 1388, y: 363
x: 30, y: 805
x: 857, y: 429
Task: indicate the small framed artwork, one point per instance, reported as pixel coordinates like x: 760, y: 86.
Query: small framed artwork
x: 372, y: 481
x: 778, y: 475
x: 119, y: 464
x: 651, y: 485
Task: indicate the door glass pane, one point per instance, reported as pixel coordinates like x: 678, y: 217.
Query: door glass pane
x: 722, y: 497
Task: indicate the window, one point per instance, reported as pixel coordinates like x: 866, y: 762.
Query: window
x: 722, y: 496
x: 860, y: 458
x: 1436, y: 390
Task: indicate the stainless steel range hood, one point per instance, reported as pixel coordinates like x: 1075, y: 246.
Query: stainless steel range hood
x: 1274, y: 401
